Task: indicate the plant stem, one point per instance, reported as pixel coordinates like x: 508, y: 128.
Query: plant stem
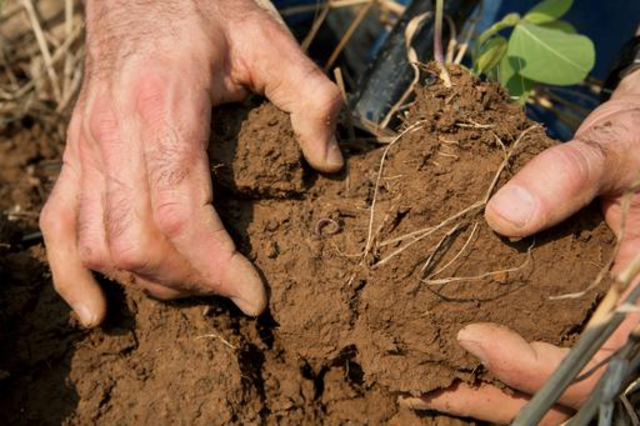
x: 437, y: 34
x: 437, y: 43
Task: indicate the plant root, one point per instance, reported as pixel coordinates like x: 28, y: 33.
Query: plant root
x: 222, y: 339
x: 409, y: 129
x: 425, y: 232
x: 481, y: 277
x: 460, y: 252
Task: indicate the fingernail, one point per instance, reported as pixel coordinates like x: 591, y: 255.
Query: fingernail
x: 413, y: 403
x: 334, y: 156
x: 250, y: 308
x: 86, y: 316
x: 468, y: 341
x: 515, y: 204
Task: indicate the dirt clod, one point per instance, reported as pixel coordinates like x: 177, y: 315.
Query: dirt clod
x: 348, y: 330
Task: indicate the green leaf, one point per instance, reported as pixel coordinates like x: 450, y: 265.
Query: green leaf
x: 547, y: 11
x: 550, y: 55
x: 491, y: 53
x: 510, y: 78
x: 563, y: 26
x: 509, y: 20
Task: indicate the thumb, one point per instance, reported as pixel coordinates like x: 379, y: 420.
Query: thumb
x: 290, y: 80
x: 526, y: 366
x: 601, y: 160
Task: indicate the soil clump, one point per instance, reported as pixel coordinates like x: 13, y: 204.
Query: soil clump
x: 363, y: 307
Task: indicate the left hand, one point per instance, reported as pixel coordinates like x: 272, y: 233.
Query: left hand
x: 602, y: 161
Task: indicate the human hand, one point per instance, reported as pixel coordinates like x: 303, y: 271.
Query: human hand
x: 133, y: 199
x: 602, y: 161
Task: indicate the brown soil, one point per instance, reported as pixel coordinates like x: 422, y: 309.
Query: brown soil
x: 348, y: 330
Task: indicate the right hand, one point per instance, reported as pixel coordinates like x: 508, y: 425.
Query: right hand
x: 602, y: 161
x: 133, y: 199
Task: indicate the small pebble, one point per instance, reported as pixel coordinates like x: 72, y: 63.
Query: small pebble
x: 272, y: 226
x: 271, y: 249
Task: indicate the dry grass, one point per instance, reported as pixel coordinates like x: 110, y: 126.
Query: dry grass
x: 41, y: 56
x: 42, y: 53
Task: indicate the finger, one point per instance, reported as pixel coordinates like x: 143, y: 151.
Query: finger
x: 614, y: 214
x: 71, y: 279
x: 482, y: 402
x: 92, y: 239
x: 92, y: 242
x: 114, y: 157
x: 282, y: 71
x: 563, y: 179
x: 180, y: 192
x: 527, y: 366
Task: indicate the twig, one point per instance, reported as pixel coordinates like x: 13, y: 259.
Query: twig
x: 453, y: 40
x: 388, y: 5
x: 464, y: 247
x: 409, y: 129
x: 222, y: 339
x: 423, y: 233
x: 506, y: 161
x: 317, y: 23
x: 631, y: 411
x: 74, y: 88
x: 412, y: 58
x: 474, y: 125
x: 68, y: 62
x: 44, y: 48
x: 349, y: 33
x: 349, y: 114
x: 482, y: 276
x: 434, y: 251
x: 58, y: 54
x: 437, y: 44
x: 10, y: 11
x: 467, y: 40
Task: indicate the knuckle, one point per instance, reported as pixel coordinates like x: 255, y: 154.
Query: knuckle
x: 90, y: 257
x: 326, y: 97
x: 331, y: 98
x: 89, y: 252
x: 47, y: 221
x: 129, y: 255
x: 581, y: 161
x: 62, y: 287
x: 171, y: 218
x: 264, y: 27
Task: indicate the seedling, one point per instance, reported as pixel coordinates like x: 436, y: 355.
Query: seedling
x: 541, y: 48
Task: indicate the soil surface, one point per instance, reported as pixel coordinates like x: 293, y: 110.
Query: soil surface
x: 365, y: 303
